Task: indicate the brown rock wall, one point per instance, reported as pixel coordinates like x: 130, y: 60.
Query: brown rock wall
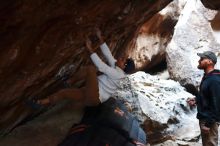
x: 211, y: 4
x: 38, y: 38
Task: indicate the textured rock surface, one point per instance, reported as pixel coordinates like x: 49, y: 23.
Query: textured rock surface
x: 178, y: 143
x: 193, y: 34
x: 154, y: 36
x: 160, y: 106
x: 48, y: 129
x: 147, y: 99
x: 212, y: 4
x: 40, y: 39
x: 43, y: 40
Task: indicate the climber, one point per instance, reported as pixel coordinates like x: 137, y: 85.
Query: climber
x: 96, y: 89
x: 108, y: 123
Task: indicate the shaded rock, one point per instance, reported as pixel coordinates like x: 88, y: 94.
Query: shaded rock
x: 51, y: 127
x: 41, y: 39
x: 193, y: 34
x: 167, y: 143
x: 211, y: 4
x: 154, y: 36
x: 215, y: 24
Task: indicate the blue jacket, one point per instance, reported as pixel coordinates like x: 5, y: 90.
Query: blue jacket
x: 208, y: 100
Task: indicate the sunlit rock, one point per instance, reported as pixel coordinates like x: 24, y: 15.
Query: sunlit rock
x: 178, y: 143
x: 42, y: 40
x: 193, y: 34
x: 154, y: 35
x: 215, y: 24
x: 160, y: 106
x: 211, y: 4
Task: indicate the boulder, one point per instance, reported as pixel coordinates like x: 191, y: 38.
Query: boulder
x: 193, y: 34
x: 154, y: 36
x: 211, y: 4
x: 160, y: 106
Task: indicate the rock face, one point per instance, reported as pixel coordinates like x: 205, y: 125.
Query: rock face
x: 48, y: 129
x: 196, y: 31
x: 215, y: 24
x: 41, y: 40
x: 160, y: 106
x: 211, y: 4
x: 154, y: 36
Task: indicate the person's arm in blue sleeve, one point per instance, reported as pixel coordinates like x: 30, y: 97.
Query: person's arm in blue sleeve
x: 214, y: 89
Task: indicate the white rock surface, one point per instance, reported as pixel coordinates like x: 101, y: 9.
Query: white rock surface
x: 193, y: 34
x: 163, y: 102
x: 177, y: 143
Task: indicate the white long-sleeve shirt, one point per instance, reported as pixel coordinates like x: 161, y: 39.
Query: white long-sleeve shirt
x: 109, y: 80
